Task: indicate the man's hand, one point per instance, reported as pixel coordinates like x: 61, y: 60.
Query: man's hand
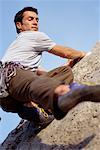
x: 72, y: 62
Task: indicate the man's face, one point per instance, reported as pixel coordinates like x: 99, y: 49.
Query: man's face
x: 29, y: 22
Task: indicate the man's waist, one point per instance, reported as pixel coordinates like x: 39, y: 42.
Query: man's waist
x: 7, y: 71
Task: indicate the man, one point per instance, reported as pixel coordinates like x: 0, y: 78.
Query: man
x: 25, y: 86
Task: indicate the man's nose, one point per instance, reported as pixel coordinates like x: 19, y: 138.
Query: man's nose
x: 35, y: 21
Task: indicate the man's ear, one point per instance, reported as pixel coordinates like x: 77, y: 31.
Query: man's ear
x: 18, y: 25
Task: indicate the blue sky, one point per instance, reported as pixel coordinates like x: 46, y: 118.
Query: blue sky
x: 72, y: 23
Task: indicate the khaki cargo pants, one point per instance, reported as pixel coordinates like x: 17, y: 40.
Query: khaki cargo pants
x: 27, y: 86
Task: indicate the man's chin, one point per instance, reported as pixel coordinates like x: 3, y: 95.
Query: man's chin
x: 34, y: 29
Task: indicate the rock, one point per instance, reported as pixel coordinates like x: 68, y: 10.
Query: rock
x: 80, y: 129
x: 88, y: 69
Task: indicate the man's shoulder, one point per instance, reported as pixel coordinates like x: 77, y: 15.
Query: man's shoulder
x: 32, y: 33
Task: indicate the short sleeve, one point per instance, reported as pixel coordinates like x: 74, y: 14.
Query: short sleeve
x: 44, y: 43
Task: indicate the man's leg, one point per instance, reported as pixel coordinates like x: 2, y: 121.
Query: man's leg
x: 30, y: 113
x: 78, y: 93
x: 36, y: 114
x: 28, y: 87
x: 63, y: 73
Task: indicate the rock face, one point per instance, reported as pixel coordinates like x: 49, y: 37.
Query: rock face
x: 88, y: 69
x: 80, y: 129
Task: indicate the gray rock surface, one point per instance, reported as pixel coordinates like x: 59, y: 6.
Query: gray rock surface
x: 88, y: 69
x: 79, y: 130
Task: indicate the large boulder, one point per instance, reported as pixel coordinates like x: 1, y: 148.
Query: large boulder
x: 80, y: 129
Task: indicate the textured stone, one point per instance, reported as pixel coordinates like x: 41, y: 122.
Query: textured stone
x: 88, y: 69
x: 80, y: 129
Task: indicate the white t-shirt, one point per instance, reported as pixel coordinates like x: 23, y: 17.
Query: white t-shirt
x: 27, y: 49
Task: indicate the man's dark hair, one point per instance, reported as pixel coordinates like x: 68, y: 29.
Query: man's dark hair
x: 19, y: 16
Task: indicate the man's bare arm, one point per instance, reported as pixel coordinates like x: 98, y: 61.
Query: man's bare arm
x: 67, y: 52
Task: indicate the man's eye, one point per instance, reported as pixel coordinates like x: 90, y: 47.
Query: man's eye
x: 29, y: 19
x: 37, y: 19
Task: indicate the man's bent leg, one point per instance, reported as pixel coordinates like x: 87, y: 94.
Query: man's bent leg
x: 78, y: 93
x: 36, y: 114
x: 26, y: 86
x: 63, y: 73
x: 42, y: 89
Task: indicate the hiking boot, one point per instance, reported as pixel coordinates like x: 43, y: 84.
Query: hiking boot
x: 37, y: 115
x: 44, y: 117
x: 77, y: 94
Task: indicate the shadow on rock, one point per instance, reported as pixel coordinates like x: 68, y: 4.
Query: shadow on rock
x: 28, y: 139
x: 41, y: 146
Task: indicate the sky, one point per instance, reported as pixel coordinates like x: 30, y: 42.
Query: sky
x: 71, y: 23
